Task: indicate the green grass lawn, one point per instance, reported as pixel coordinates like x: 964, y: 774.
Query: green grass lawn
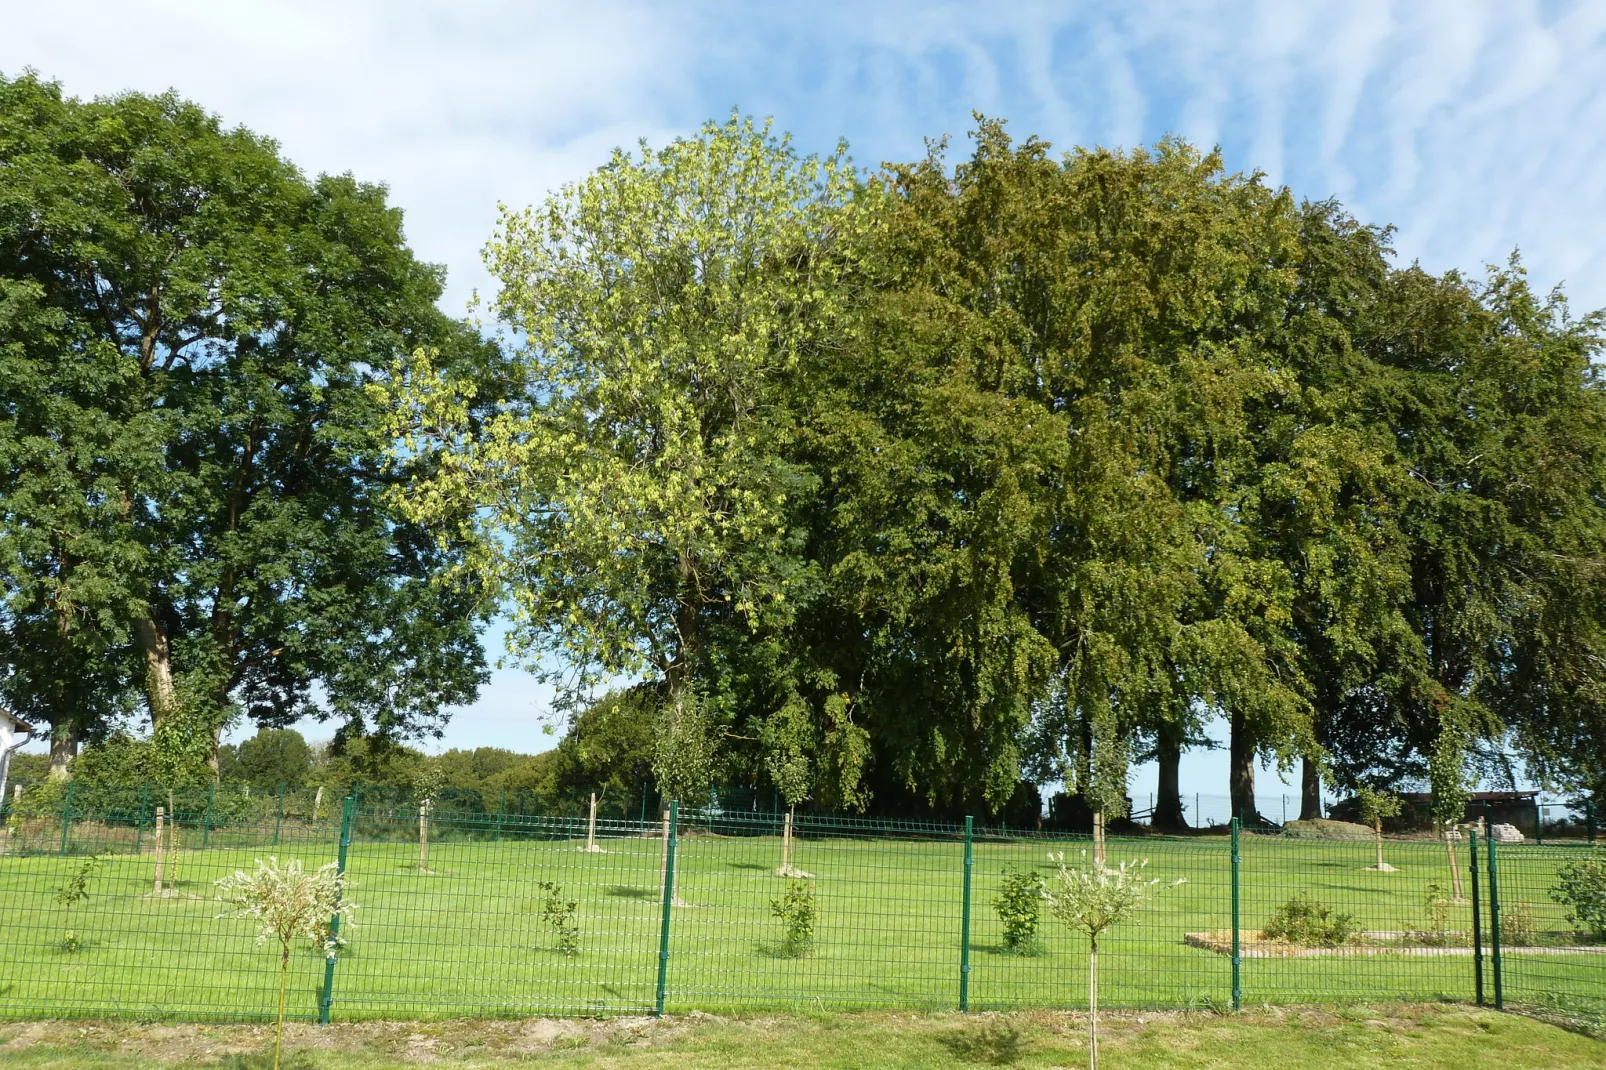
x: 467, y: 937
x: 1414, y: 1036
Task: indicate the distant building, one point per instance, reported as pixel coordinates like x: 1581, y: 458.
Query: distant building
x: 1519, y: 808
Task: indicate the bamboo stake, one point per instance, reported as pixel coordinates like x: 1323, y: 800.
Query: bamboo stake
x: 1098, y: 837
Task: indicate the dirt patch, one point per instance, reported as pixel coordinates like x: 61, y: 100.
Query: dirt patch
x: 193, y: 1045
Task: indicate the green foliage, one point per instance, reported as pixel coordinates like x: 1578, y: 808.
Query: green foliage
x: 272, y: 757
x: 1581, y: 888
x: 684, y: 749
x: 287, y: 904
x: 795, y: 909
x: 193, y: 474
x: 1436, y: 903
x: 1376, y: 804
x: 559, y: 915
x: 1308, y: 922
x: 70, y: 894
x: 1019, y: 905
x: 1518, y: 928
x: 1448, y: 778
x: 1091, y: 898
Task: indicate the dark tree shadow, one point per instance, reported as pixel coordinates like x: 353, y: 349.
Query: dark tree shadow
x: 993, y: 1044
x: 625, y: 891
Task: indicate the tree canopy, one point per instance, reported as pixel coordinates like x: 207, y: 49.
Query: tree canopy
x: 193, y: 473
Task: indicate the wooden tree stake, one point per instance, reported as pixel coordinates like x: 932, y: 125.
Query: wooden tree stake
x: 160, y: 822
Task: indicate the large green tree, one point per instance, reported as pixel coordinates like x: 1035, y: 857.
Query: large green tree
x: 635, y: 497
x: 193, y: 472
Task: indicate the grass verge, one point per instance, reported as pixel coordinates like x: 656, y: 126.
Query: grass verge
x: 1418, y: 1036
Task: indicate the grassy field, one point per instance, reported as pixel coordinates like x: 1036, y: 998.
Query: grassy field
x: 467, y: 937
x: 1414, y: 1036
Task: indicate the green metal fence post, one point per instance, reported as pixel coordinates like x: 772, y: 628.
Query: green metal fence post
x: 206, y: 831
x: 669, y: 902
x: 1477, y: 926
x: 66, y: 816
x: 964, y: 924
x: 346, y: 820
x: 501, y: 807
x: 1237, y: 957
x: 1539, y: 823
x: 1589, y: 821
x: 1494, y: 926
x: 278, y: 815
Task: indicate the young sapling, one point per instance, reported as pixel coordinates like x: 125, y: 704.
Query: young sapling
x: 1375, y: 806
x: 75, y: 891
x: 1091, y: 899
x: 288, y: 904
x: 559, y: 915
x: 796, y: 912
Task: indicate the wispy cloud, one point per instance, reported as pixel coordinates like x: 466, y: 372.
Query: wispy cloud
x: 1475, y: 126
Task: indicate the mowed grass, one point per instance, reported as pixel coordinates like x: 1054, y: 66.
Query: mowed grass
x: 1420, y: 1037
x: 467, y: 937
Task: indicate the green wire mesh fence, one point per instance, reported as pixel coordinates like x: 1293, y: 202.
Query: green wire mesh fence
x: 470, y: 910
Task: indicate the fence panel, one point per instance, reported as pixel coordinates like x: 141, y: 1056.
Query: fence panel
x: 487, y: 911
x: 538, y: 916
x: 143, y: 938
x: 1144, y: 962
x: 1335, y: 920
x: 886, y: 902
x: 1549, y: 960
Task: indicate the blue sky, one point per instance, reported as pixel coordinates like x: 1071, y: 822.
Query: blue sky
x: 1475, y: 128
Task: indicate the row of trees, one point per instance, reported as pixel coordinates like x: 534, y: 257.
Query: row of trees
x: 898, y: 489
x: 895, y: 490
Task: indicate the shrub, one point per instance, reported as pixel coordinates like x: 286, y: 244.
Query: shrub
x: 75, y: 891
x: 559, y: 915
x: 796, y: 912
x: 1308, y: 922
x: 1436, y: 904
x: 1019, y: 904
x: 1517, y: 927
x: 1581, y: 888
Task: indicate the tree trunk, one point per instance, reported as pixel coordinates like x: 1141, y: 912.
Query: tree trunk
x: 158, y: 667
x: 63, y: 749
x: 1310, y: 790
x: 1098, y: 838
x: 1168, y: 815
x: 1093, y: 1004
x: 1242, y: 786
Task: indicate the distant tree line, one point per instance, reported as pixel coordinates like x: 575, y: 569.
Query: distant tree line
x: 905, y: 490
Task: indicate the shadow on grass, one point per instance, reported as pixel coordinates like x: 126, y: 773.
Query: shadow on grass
x: 1025, y: 951
x: 782, y: 951
x: 292, y: 1060
x: 625, y: 891
x: 759, y: 866
x: 993, y: 1044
